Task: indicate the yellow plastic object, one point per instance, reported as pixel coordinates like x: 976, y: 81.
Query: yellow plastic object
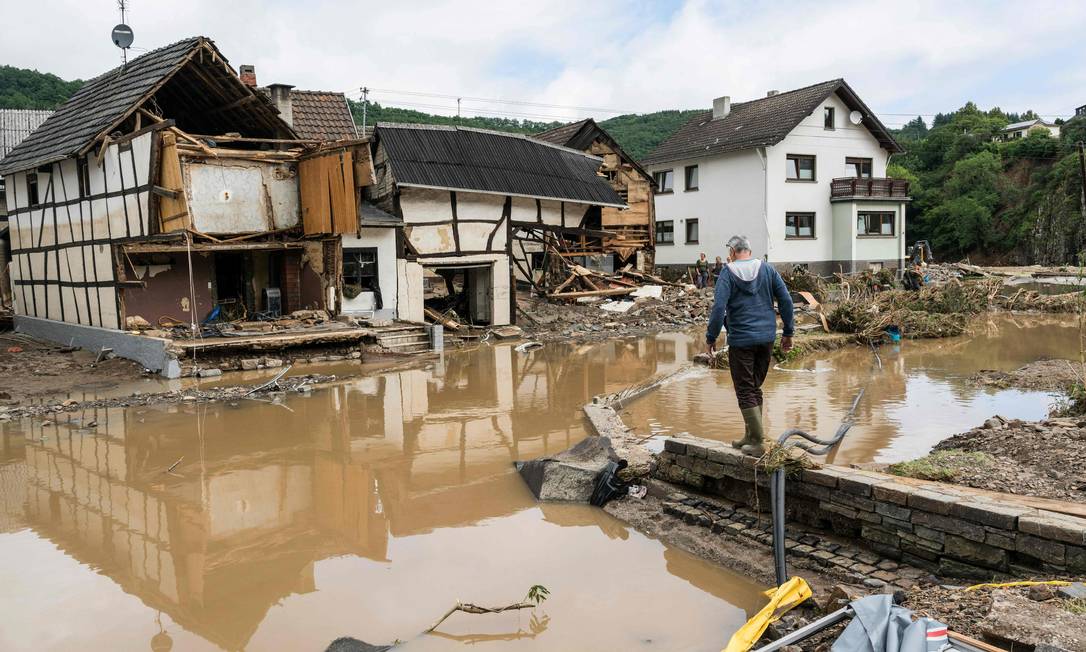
x: 1005, y: 585
x: 781, y: 600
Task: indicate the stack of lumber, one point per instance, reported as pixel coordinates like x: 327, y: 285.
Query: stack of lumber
x: 583, y: 282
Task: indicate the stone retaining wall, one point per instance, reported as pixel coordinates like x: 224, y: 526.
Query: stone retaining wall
x: 952, y: 531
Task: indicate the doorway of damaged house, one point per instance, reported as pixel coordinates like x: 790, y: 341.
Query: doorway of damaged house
x: 462, y: 292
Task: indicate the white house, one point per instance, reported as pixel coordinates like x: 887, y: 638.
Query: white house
x: 1024, y: 128
x: 801, y: 173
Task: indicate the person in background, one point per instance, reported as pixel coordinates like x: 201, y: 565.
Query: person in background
x: 701, y: 271
x: 744, y: 298
x: 718, y: 267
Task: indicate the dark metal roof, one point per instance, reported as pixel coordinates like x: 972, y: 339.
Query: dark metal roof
x: 103, y: 102
x: 321, y: 115
x: 581, y: 134
x: 761, y: 123
x: 463, y: 158
x: 373, y: 216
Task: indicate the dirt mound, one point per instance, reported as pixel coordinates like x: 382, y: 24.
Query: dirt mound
x: 1048, y: 375
x: 1029, y: 458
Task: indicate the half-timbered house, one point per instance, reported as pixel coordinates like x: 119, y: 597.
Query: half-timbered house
x: 169, y: 190
x: 630, y: 239
x: 481, y: 209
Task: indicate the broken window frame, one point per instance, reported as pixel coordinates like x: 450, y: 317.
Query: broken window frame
x: 351, y: 257
x: 665, y: 181
x: 692, y: 222
x: 872, y: 224
x: 859, y: 167
x: 665, y: 232
x: 793, y: 225
x: 794, y: 168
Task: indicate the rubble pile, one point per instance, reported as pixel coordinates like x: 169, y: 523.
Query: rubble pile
x: 933, y: 311
x: 1031, y: 458
x: 219, y: 327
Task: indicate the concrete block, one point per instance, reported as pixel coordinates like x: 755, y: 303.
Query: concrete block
x: 858, y: 484
x: 676, y: 446
x: 876, y: 534
x: 951, y: 568
x: 151, y: 352
x: 854, y: 501
x: 929, y: 534
x: 989, y: 513
x: 893, y: 511
x: 1000, y: 538
x: 1067, y: 529
x: 826, y: 476
x: 894, y: 492
x: 249, y: 364
x: 1076, y: 560
x: 1050, y: 552
x: 708, y: 469
x: 949, y: 525
x: 843, y: 510
x: 932, y: 501
x: 976, y: 553
x: 696, y: 450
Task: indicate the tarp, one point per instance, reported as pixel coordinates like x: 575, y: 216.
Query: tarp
x: 881, y: 626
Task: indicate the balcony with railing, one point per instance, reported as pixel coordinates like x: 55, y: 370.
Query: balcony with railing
x: 869, y: 188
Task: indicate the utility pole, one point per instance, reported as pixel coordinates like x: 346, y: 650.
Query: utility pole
x: 365, y: 101
x: 458, y: 110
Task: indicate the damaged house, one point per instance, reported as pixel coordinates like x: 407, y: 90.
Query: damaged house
x: 169, y: 192
x: 480, y: 211
x: 632, y: 239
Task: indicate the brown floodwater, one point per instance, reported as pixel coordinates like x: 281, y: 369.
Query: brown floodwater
x: 364, y: 509
x: 369, y: 507
x: 918, y: 397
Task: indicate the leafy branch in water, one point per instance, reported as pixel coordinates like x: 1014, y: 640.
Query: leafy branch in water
x: 537, y: 594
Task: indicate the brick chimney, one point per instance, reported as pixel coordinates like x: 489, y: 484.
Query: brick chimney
x: 280, y: 95
x: 248, y: 75
x: 772, y: 93
x: 722, y: 106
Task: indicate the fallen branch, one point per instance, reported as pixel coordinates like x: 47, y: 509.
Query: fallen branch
x: 536, y: 595
x: 270, y: 383
x: 174, y: 465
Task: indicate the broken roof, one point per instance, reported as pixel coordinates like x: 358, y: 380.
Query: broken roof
x: 463, y: 158
x: 321, y: 115
x: 761, y: 123
x: 581, y: 134
x: 373, y: 216
x: 213, y: 96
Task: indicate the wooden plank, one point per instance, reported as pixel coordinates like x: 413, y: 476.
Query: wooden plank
x: 593, y: 293
x: 173, y: 211
x: 444, y: 321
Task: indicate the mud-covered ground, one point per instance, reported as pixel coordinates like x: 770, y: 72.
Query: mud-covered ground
x: 32, y: 370
x: 1047, y: 375
x: 1030, y: 458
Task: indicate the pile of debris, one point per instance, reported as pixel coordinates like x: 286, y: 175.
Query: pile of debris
x: 933, y: 311
x: 584, y: 283
x: 218, y: 326
x: 1046, y: 458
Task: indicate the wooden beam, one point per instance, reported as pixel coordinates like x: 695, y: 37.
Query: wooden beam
x: 593, y: 293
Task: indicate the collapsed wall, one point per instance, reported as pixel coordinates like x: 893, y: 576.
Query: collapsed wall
x: 951, y: 531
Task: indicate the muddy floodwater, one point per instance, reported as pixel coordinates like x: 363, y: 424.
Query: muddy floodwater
x: 919, y: 396
x: 368, y: 508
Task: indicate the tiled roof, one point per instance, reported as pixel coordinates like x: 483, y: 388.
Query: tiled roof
x: 103, y: 102
x: 581, y: 134
x: 463, y: 158
x: 17, y: 124
x: 321, y: 115
x: 564, y: 134
x: 761, y: 123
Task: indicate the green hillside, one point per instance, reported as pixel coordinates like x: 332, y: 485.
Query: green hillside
x: 21, y: 88
x: 637, y: 133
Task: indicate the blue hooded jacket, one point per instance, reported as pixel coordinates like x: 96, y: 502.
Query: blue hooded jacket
x: 747, y: 308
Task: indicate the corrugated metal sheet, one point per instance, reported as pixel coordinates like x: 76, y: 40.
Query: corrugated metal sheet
x: 489, y: 161
x: 17, y: 124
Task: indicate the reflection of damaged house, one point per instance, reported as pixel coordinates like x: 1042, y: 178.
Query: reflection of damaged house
x: 170, y: 191
x: 632, y: 239
x: 482, y: 210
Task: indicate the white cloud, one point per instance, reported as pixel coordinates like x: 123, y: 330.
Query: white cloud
x: 923, y: 56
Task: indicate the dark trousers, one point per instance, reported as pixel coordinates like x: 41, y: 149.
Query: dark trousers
x: 749, y: 366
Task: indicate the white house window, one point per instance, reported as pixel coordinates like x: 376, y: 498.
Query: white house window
x: 799, y: 226
x: 691, y: 231
x: 691, y: 177
x: 858, y: 167
x: 665, y: 180
x: 359, y: 270
x: 800, y: 167
x: 875, y: 223
x: 665, y: 232
x: 827, y: 117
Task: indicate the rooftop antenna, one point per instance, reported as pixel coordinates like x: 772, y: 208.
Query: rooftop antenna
x: 122, y: 34
x: 365, y: 103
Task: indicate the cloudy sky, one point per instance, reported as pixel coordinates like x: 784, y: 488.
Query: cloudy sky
x: 561, y: 59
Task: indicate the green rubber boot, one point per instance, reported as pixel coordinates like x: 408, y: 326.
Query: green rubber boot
x: 752, y: 442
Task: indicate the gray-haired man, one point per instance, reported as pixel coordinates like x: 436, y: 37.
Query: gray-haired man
x: 745, y: 292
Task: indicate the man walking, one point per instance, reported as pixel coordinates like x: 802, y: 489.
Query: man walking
x: 744, y: 297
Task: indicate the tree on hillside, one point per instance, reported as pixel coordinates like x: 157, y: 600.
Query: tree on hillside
x: 29, y: 89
